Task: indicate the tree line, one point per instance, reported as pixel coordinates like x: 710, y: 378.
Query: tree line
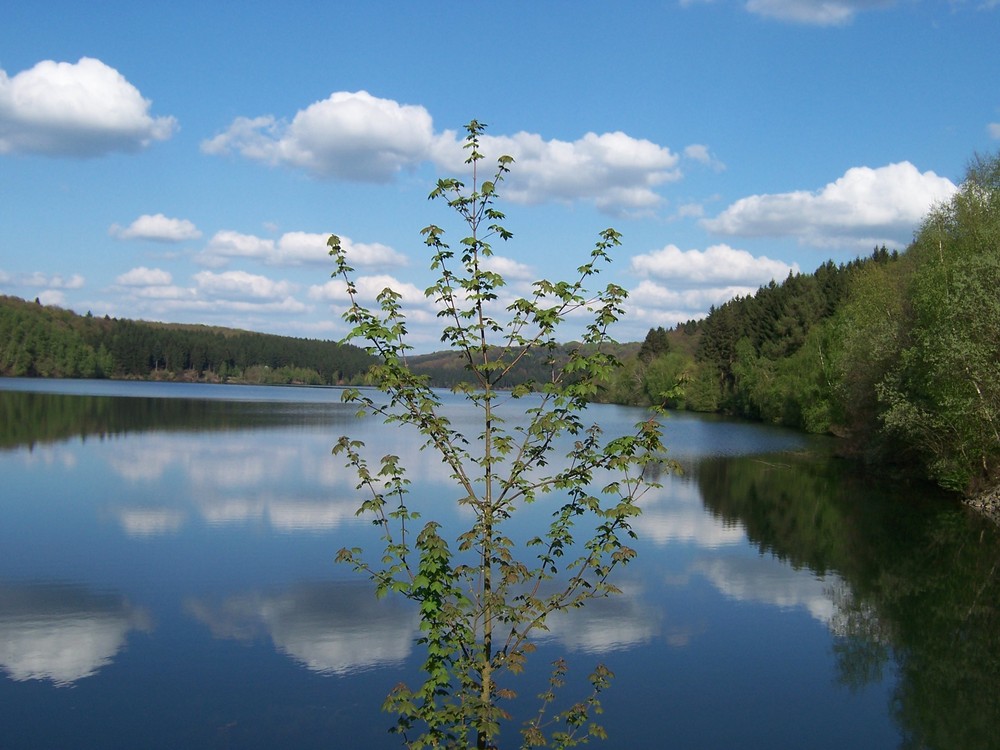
x: 45, y: 341
x: 897, y: 353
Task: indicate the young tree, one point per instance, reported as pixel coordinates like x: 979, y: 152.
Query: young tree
x: 484, y: 595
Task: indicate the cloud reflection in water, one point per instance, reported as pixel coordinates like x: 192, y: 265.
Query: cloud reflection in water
x: 62, y: 632
x: 769, y: 581
x: 330, y: 627
x: 614, y: 623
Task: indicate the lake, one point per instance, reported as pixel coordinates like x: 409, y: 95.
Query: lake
x: 167, y: 580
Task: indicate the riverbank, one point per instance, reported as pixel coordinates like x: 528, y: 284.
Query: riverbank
x: 987, y: 503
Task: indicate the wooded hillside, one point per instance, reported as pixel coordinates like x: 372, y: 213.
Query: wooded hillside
x: 45, y: 341
x: 899, y: 353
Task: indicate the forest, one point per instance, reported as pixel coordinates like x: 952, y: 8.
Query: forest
x: 897, y: 353
x: 46, y: 341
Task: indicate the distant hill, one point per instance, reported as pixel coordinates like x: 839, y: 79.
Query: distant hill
x: 446, y: 368
x: 46, y: 341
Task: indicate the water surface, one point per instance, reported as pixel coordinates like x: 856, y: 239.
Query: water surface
x: 167, y: 580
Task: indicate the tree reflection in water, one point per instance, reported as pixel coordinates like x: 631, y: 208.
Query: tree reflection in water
x: 922, y: 584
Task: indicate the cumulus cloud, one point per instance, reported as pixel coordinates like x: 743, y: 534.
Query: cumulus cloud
x: 350, y: 135
x: 613, y: 170
x: 240, y: 285
x: 143, y: 276
x: 55, y: 281
x: 82, y: 109
x: 368, y: 288
x: 994, y: 129
x: 296, y: 249
x: 52, y: 287
x: 52, y: 297
x: 676, y: 286
x: 158, y: 228
x: 865, y: 207
x: 143, y: 283
x: 228, y: 244
x: 814, y: 12
x: 658, y: 304
x: 357, y: 136
x: 717, y: 265
x: 700, y: 153
x: 509, y: 268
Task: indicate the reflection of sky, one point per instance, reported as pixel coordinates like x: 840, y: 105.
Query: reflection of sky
x: 292, y: 487
x: 61, y: 633
x: 140, y: 522
x: 674, y: 513
x: 609, y: 624
x: 766, y: 580
x: 330, y: 628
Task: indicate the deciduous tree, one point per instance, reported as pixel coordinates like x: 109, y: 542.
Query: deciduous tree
x: 484, y: 595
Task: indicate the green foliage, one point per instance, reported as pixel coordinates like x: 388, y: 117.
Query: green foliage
x: 942, y: 393
x: 656, y: 343
x: 898, y: 354
x: 777, y: 323
x: 915, y: 592
x: 871, y: 332
x: 39, y: 341
x: 484, y: 595
x: 659, y: 373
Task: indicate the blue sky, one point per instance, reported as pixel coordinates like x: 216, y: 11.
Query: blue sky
x: 185, y: 161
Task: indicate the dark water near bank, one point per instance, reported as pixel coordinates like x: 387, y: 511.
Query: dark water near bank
x: 167, y: 581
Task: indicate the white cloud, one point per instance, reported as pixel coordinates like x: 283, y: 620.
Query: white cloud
x: 510, y: 269
x: 227, y: 244
x: 814, y: 12
x: 357, y: 136
x: 162, y: 292
x: 613, y: 170
x: 56, y: 281
x: 75, y: 109
x: 717, y: 265
x: 650, y: 300
x: 240, y: 285
x: 699, y: 152
x: 689, y: 211
x: 350, y: 135
x: 52, y: 297
x: 143, y: 276
x: 295, y: 249
x: 994, y: 129
x: 158, y: 228
x: 863, y: 208
x: 52, y: 287
x: 368, y: 288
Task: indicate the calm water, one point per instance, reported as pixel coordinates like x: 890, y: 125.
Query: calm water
x: 167, y: 581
